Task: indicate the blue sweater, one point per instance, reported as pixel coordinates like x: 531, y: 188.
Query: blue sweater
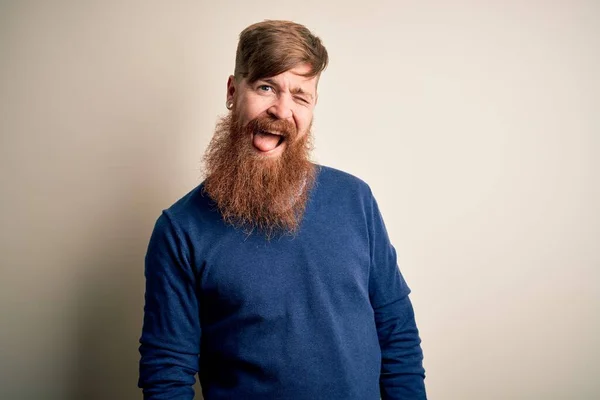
x: 321, y: 315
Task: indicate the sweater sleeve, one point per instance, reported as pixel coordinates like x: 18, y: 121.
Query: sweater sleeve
x: 170, y: 340
x: 402, y: 374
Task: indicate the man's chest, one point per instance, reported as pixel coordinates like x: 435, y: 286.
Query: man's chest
x: 322, y: 267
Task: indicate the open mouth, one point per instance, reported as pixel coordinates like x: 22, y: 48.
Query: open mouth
x: 265, y: 141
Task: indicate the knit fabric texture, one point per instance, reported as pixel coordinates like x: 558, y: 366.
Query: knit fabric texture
x: 322, y: 314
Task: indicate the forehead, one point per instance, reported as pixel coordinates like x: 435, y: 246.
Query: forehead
x: 294, y: 78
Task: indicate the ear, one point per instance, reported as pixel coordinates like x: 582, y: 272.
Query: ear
x: 231, y: 88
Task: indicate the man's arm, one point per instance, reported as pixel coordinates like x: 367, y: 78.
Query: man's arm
x: 170, y: 341
x: 402, y: 374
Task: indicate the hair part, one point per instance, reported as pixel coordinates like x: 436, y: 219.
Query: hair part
x: 269, y: 48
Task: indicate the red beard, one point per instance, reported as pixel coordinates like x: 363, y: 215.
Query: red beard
x: 254, y: 192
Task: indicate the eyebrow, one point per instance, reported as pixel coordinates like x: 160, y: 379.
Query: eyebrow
x: 296, y: 90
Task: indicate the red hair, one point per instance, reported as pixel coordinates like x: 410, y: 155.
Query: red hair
x: 269, y: 48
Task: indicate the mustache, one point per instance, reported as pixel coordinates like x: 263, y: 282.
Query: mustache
x: 284, y: 127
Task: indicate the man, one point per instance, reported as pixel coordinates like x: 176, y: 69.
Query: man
x: 275, y: 278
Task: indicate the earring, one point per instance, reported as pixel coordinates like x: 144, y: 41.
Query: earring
x: 229, y: 104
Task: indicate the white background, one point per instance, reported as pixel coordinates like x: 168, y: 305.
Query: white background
x: 476, y: 124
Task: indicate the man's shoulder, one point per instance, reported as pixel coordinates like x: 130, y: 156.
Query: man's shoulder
x: 338, y: 180
x: 190, y: 200
x: 194, y: 206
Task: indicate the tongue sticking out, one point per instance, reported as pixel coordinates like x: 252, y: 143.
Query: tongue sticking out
x: 265, y: 141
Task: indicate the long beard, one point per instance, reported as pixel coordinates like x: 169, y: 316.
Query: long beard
x: 253, y: 192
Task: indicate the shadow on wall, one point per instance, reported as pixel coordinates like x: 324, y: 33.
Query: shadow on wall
x: 109, y: 304
x: 96, y: 113
x: 109, y: 313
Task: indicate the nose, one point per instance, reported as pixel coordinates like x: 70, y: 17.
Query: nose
x: 281, y: 108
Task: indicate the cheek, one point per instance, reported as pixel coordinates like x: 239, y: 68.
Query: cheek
x: 250, y: 108
x: 304, y: 121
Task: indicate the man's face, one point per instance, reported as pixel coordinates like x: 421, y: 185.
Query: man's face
x: 287, y: 99
x: 258, y: 164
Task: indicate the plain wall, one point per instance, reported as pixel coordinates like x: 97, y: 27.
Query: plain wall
x: 476, y: 124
